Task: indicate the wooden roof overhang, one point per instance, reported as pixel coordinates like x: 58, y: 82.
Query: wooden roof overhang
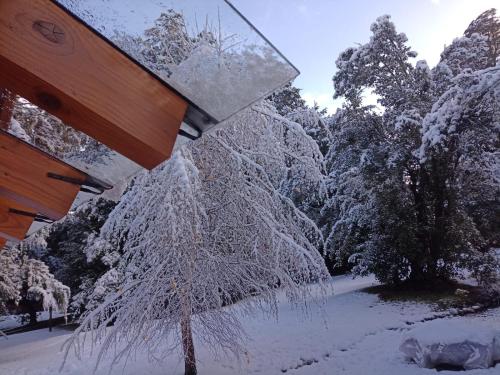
x: 59, y: 64
x: 56, y: 62
x: 37, y: 180
x: 15, y: 220
x: 35, y: 186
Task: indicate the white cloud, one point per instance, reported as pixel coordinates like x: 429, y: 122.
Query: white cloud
x: 436, y: 2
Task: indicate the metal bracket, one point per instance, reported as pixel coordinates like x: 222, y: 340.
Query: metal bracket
x: 36, y: 217
x: 190, y: 136
x: 90, y: 185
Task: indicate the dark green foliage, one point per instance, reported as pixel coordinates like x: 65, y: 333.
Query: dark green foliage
x: 287, y: 99
x: 67, y: 241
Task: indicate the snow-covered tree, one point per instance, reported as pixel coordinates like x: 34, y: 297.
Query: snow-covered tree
x: 460, y: 148
x: 287, y: 99
x: 9, y: 281
x: 27, y: 286
x: 477, y: 49
x: 392, y: 212
x: 45, y: 131
x: 374, y: 152
x: 39, y: 288
x: 468, y: 52
x: 348, y: 212
x: 382, y: 64
x: 162, y: 272
x: 315, y: 125
x: 167, y: 43
x: 63, y: 246
x: 303, y: 180
x: 488, y: 25
x: 205, y: 230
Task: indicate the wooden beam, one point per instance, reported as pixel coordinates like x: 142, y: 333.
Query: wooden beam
x: 3, y: 242
x: 6, y: 108
x: 13, y: 226
x: 57, y: 63
x: 24, y: 178
x: 15, y: 220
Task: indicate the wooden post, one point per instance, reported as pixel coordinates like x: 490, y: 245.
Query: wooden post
x: 6, y: 108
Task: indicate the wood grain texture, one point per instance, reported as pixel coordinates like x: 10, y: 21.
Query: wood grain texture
x: 23, y: 178
x: 13, y: 227
x: 60, y: 65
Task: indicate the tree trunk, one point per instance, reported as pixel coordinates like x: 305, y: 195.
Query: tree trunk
x: 50, y: 319
x: 188, y: 345
x: 32, y: 315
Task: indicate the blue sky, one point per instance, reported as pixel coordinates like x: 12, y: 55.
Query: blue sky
x: 312, y: 33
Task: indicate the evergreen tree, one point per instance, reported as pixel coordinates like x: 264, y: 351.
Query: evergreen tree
x: 45, y: 131
x: 468, y: 52
x: 9, y: 281
x: 64, y: 247
x: 287, y: 99
x: 394, y: 213
x: 487, y: 25
x: 461, y: 139
x: 348, y: 212
x: 27, y: 286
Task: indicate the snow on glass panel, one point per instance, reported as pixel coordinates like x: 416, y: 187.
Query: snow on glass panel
x: 204, y: 49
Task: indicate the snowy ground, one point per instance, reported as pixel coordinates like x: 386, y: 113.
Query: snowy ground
x: 356, y: 333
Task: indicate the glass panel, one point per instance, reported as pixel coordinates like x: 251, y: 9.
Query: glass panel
x: 204, y: 49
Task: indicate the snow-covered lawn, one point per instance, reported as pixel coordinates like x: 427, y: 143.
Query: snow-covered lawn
x: 355, y: 333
